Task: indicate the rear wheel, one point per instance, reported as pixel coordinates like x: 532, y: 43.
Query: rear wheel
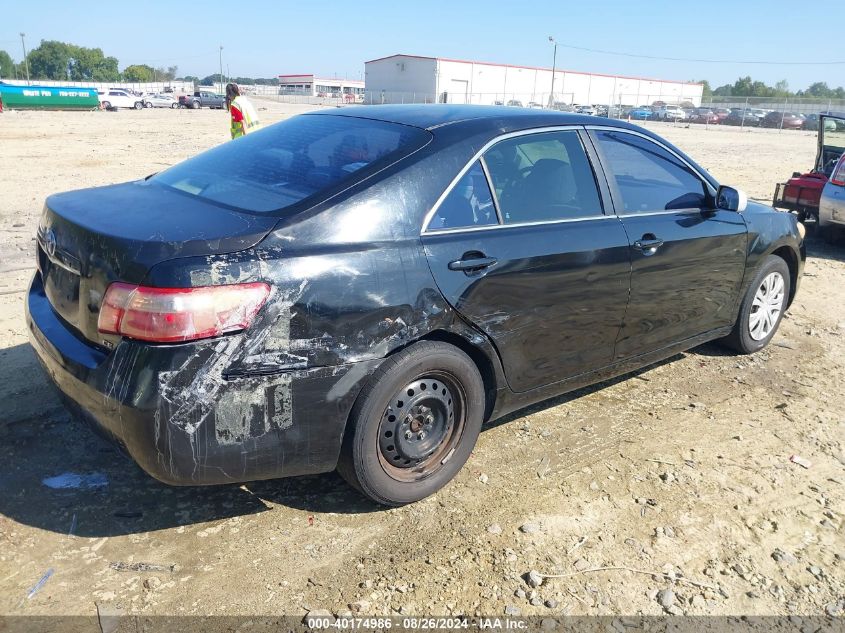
x: 195, y: 105
x: 174, y: 105
x: 139, y: 105
x: 147, y: 104
x: 106, y: 105
x: 762, y: 307
x: 414, y: 425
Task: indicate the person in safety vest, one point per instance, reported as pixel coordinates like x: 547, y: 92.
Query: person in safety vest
x: 243, y: 116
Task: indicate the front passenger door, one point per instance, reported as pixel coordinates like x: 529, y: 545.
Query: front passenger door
x: 687, y: 256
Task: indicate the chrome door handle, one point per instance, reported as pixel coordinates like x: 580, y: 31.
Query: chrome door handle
x: 648, y: 246
x: 472, y: 265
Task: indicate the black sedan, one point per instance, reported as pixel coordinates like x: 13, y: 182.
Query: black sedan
x: 363, y: 288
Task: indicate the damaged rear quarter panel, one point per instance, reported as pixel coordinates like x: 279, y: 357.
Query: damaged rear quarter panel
x: 350, y: 285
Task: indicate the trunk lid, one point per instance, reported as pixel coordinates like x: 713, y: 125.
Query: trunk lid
x: 90, y: 238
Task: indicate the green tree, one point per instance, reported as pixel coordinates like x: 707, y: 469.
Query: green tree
x: 89, y: 64
x: 50, y: 60
x: 210, y: 80
x: 138, y: 73
x: 819, y: 89
x: 63, y: 61
x: 7, y: 65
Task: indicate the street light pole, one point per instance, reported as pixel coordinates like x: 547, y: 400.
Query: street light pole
x: 222, y: 88
x: 25, y: 62
x: 554, y: 63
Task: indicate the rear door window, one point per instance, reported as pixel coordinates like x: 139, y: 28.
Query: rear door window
x: 649, y: 178
x: 468, y: 204
x: 543, y: 177
x: 298, y: 158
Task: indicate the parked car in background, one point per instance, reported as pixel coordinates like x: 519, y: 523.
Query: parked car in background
x: 783, y: 120
x: 669, y: 113
x: 160, y: 101
x: 722, y: 113
x: 562, y: 106
x: 642, y: 113
x: 118, y: 98
x: 175, y: 315
x: 516, y: 103
x: 811, y: 122
x: 704, y: 115
x: 202, y: 99
x: 535, y: 105
x: 832, y: 204
x: 742, y: 117
x: 585, y: 109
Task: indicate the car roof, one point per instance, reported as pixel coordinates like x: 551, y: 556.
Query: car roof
x: 435, y: 115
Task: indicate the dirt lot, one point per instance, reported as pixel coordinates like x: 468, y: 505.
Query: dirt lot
x: 682, y: 470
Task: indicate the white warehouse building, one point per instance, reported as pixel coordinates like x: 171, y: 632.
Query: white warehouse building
x: 417, y: 79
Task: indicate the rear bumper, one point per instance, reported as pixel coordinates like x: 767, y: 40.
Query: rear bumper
x: 173, y: 412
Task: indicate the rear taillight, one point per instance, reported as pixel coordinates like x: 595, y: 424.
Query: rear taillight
x: 172, y: 315
x: 838, y: 175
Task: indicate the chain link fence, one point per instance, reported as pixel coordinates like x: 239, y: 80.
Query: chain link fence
x: 764, y: 112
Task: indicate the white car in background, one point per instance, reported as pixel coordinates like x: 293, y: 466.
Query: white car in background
x: 670, y: 113
x: 585, y: 109
x: 832, y: 204
x: 116, y: 98
x: 160, y: 101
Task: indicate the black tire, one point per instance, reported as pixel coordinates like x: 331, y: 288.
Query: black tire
x: 139, y: 105
x: 741, y: 338
x: 195, y: 105
x: 389, y: 458
x: 106, y: 105
x: 147, y: 104
x: 174, y: 106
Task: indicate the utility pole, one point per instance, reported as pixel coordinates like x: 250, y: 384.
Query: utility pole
x: 554, y: 63
x: 222, y: 87
x: 25, y: 62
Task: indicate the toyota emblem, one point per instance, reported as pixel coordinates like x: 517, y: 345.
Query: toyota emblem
x: 50, y: 242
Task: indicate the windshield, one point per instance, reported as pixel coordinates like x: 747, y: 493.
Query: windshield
x: 287, y: 162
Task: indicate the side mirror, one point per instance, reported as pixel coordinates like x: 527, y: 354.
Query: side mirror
x: 731, y: 199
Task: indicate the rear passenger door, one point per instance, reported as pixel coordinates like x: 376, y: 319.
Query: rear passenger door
x: 520, y: 246
x: 688, y: 256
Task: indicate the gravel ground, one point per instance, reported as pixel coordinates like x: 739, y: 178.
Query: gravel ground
x: 671, y: 490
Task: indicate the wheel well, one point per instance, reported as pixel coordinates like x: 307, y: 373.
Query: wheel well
x: 791, y: 259
x: 482, y: 362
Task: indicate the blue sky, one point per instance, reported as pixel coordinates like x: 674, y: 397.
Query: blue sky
x: 328, y: 38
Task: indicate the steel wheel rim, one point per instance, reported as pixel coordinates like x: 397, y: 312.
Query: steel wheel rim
x: 421, y: 427
x: 766, y: 306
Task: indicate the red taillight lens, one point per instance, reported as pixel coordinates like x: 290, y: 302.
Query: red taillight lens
x: 172, y: 315
x: 838, y: 176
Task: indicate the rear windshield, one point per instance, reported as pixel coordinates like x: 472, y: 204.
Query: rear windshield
x: 287, y: 162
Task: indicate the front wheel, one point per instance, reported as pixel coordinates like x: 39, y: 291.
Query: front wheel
x: 414, y: 425
x: 173, y: 106
x: 106, y: 105
x: 762, y: 307
x: 147, y: 104
x: 139, y: 105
